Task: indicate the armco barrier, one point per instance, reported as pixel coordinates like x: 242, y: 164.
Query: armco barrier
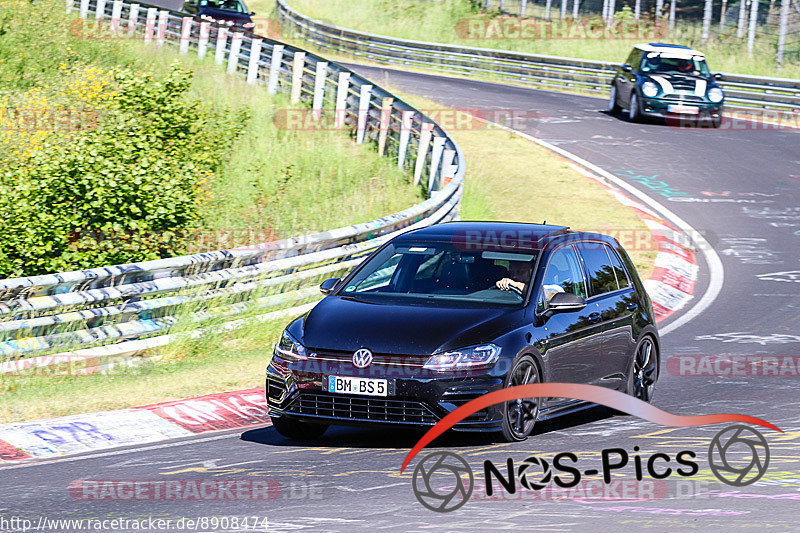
x: 556, y: 73
x: 89, y: 317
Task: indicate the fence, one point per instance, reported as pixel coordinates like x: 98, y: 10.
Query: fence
x: 104, y: 313
x: 557, y: 73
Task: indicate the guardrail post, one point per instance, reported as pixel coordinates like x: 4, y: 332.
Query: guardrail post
x: 406, y: 120
x: 133, y: 19
x: 363, y: 112
x: 298, y: 64
x: 436, y: 159
x: 233, y: 57
x: 386, y: 115
x: 150, y: 25
x: 342, y: 88
x: 255, y: 57
x: 422, y: 152
x: 222, y: 40
x: 100, y: 10
x: 186, y: 32
x: 84, y: 11
x: 163, y: 16
x: 116, y: 16
x: 275, y: 68
x: 448, y: 168
x: 320, y: 75
x: 202, y: 39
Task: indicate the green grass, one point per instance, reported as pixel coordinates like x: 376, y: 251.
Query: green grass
x: 443, y: 22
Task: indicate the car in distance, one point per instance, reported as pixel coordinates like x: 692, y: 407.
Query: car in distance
x: 230, y: 12
x: 666, y: 80
x: 441, y: 315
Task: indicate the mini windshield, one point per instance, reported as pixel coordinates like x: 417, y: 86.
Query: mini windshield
x: 234, y: 6
x: 655, y: 62
x: 440, y: 271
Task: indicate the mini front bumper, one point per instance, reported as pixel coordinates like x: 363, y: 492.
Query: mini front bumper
x: 419, y: 397
x: 660, y: 108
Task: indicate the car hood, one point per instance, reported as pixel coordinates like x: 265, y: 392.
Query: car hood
x: 344, y: 324
x: 681, y: 84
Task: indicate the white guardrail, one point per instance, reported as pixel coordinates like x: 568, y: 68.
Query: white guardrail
x: 92, y: 319
x: 550, y: 72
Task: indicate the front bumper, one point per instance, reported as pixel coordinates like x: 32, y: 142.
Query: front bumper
x: 660, y: 108
x: 418, y: 397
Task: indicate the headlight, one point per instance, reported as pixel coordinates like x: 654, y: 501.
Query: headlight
x: 649, y: 89
x: 471, y: 357
x: 289, y: 348
x: 715, y: 94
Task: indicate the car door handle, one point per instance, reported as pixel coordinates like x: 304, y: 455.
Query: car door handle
x: 631, y: 307
x: 594, y: 318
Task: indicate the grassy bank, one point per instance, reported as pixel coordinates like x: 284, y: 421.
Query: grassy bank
x: 446, y: 22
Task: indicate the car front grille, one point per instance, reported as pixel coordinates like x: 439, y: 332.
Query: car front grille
x: 683, y: 85
x: 683, y: 98
x: 322, y: 404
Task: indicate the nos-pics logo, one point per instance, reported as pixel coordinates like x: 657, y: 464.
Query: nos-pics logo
x: 443, y: 481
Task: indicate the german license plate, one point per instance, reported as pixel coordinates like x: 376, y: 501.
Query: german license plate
x: 362, y: 386
x: 683, y: 109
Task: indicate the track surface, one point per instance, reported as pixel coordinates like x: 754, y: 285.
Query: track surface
x: 350, y: 480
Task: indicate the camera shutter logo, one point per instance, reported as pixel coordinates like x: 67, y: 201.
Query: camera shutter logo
x: 362, y: 358
x: 527, y: 467
x: 738, y: 455
x: 447, y: 467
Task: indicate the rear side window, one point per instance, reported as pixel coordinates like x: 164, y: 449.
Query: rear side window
x: 619, y: 271
x: 602, y: 275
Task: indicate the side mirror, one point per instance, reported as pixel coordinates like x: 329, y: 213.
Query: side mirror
x: 327, y: 286
x: 718, y: 76
x: 252, y: 13
x: 565, y: 302
x: 627, y: 68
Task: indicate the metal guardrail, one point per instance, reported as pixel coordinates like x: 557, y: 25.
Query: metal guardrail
x: 551, y: 72
x: 104, y: 312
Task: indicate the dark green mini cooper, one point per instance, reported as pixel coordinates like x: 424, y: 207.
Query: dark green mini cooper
x: 667, y: 81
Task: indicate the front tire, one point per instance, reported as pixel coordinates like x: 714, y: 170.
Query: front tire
x: 297, y: 430
x: 613, y: 106
x: 716, y: 121
x: 633, y: 111
x: 519, y: 416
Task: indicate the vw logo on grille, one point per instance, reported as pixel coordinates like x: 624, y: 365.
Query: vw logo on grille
x: 362, y: 358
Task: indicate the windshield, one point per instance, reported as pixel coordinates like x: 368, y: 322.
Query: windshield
x: 439, y: 271
x: 234, y: 6
x: 658, y: 63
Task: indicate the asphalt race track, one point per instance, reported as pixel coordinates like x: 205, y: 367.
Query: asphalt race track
x: 740, y: 188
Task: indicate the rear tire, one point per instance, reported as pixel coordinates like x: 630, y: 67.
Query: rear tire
x: 519, y: 416
x: 613, y: 106
x: 633, y: 112
x: 297, y: 430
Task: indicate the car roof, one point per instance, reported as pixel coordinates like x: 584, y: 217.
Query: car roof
x: 670, y: 50
x: 488, y: 235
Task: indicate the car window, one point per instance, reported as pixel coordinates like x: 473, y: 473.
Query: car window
x: 563, y: 274
x: 619, y: 271
x: 234, y: 6
x: 657, y: 63
x: 634, y: 58
x: 602, y: 278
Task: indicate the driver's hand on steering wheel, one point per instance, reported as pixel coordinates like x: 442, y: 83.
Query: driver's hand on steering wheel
x: 506, y: 284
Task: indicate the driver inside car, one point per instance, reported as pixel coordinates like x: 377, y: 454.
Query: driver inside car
x: 518, y: 271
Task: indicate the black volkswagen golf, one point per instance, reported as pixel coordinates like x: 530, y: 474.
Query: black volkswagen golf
x: 439, y: 316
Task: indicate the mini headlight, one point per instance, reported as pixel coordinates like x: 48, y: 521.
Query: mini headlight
x: 649, y: 89
x: 289, y: 348
x: 471, y: 357
x: 715, y: 94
